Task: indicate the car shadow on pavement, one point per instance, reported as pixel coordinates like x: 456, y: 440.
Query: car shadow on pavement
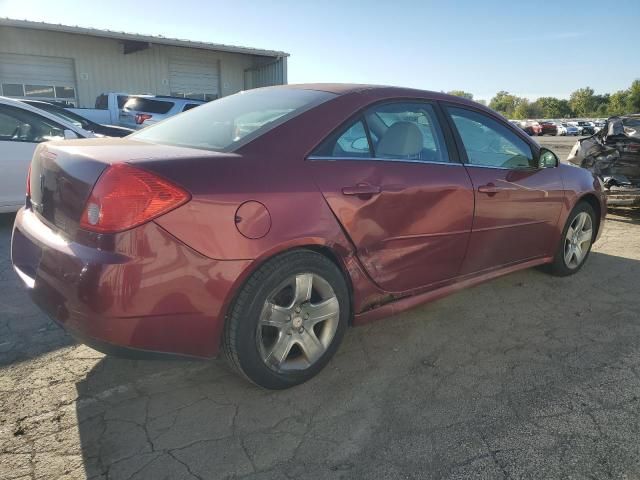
x: 25, y: 332
x: 625, y: 215
x: 527, y: 375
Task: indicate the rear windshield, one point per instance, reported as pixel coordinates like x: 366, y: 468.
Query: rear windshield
x: 148, y: 105
x: 228, y: 123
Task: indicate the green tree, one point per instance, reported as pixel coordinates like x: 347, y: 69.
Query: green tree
x: 582, y: 102
x: 633, y: 97
x: 617, y: 103
x: 461, y: 93
x: 505, y: 103
x: 565, y: 108
x: 551, y: 107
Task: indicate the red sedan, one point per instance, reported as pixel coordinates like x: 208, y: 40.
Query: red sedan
x: 264, y: 223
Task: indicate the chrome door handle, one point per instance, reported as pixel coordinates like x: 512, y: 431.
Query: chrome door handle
x: 361, y: 189
x: 489, y: 188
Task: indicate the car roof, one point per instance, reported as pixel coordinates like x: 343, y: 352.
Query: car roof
x: 382, y: 92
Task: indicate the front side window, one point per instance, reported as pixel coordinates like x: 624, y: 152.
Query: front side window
x: 228, y: 123
x: 17, y: 125
x: 488, y: 143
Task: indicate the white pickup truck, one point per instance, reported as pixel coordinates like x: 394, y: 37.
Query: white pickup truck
x: 107, y: 109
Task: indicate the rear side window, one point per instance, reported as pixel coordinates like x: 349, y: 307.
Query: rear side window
x: 148, y: 105
x: 189, y: 106
x: 488, y: 143
x: 349, y: 142
x: 228, y: 123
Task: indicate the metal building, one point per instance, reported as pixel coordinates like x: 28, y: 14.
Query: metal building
x: 75, y: 65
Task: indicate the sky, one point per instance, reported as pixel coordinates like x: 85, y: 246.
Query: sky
x: 529, y: 48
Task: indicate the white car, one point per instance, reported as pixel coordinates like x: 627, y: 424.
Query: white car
x: 562, y: 130
x: 22, y: 128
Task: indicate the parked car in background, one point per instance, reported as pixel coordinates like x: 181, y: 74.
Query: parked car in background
x: 186, y: 238
x: 613, y: 154
x: 79, y: 120
x: 548, y: 128
x: 531, y: 127
x: 562, y: 131
x: 571, y: 129
x: 22, y: 128
x: 107, y: 108
x: 144, y: 110
x: 599, y: 125
x: 586, y: 128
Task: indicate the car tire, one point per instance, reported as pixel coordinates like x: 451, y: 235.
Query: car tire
x: 583, y: 219
x: 273, y: 334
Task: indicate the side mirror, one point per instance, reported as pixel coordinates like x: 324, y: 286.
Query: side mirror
x: 547, y: 159
x: 70, y: 135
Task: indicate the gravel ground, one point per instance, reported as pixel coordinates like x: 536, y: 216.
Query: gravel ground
x: 527, y: 376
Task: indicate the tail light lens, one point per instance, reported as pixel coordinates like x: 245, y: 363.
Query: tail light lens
x: 141, y: 117
x: 125, y: 197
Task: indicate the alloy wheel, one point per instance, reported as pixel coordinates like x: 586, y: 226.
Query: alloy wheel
x: 298, y: 322
x: 578, y: 240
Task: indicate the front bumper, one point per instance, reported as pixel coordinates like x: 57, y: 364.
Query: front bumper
x: 149, y: 293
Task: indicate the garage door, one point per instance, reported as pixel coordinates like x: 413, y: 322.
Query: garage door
x: 38, y: 78
x: 193, y: 78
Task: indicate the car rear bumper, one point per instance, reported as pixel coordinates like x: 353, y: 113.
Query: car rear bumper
x: 150, y: 293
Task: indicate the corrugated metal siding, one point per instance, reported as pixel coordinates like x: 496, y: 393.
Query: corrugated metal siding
x: 191, y: 75
x: 272, y: 73
x: 101, y: 66
x: 33, y: 68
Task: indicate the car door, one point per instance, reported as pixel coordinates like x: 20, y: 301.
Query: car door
x: 391, y: 178
x: 20, y: 132
x: 517, y: 204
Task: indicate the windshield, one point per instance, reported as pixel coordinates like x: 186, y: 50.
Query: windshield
x: 227, y: 123
x: 73, y: 118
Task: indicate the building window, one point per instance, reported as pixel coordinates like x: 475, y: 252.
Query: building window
x: 12, y: 90
x: 65, y: 92
x: 39, y: 91
x: 65, y: 96
x: 207, y: 97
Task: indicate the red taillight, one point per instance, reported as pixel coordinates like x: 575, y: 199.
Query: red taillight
x: 124, y: 197
x: 29, y: 182
x: 141, y: 117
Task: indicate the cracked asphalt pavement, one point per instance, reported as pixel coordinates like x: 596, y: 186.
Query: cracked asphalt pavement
x: 527, y: 376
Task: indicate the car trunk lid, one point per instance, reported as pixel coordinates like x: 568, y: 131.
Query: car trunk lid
x: 64, y: 173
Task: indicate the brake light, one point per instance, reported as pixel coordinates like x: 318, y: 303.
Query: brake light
x: 141, y: 117
x: 125, y: 197
x: 29, y: 182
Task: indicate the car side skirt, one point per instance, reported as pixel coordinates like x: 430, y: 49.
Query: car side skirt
x: 407, y: 303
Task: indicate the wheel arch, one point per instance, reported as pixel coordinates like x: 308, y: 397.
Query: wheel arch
x: 314, y: 246
x: 594, y: 202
